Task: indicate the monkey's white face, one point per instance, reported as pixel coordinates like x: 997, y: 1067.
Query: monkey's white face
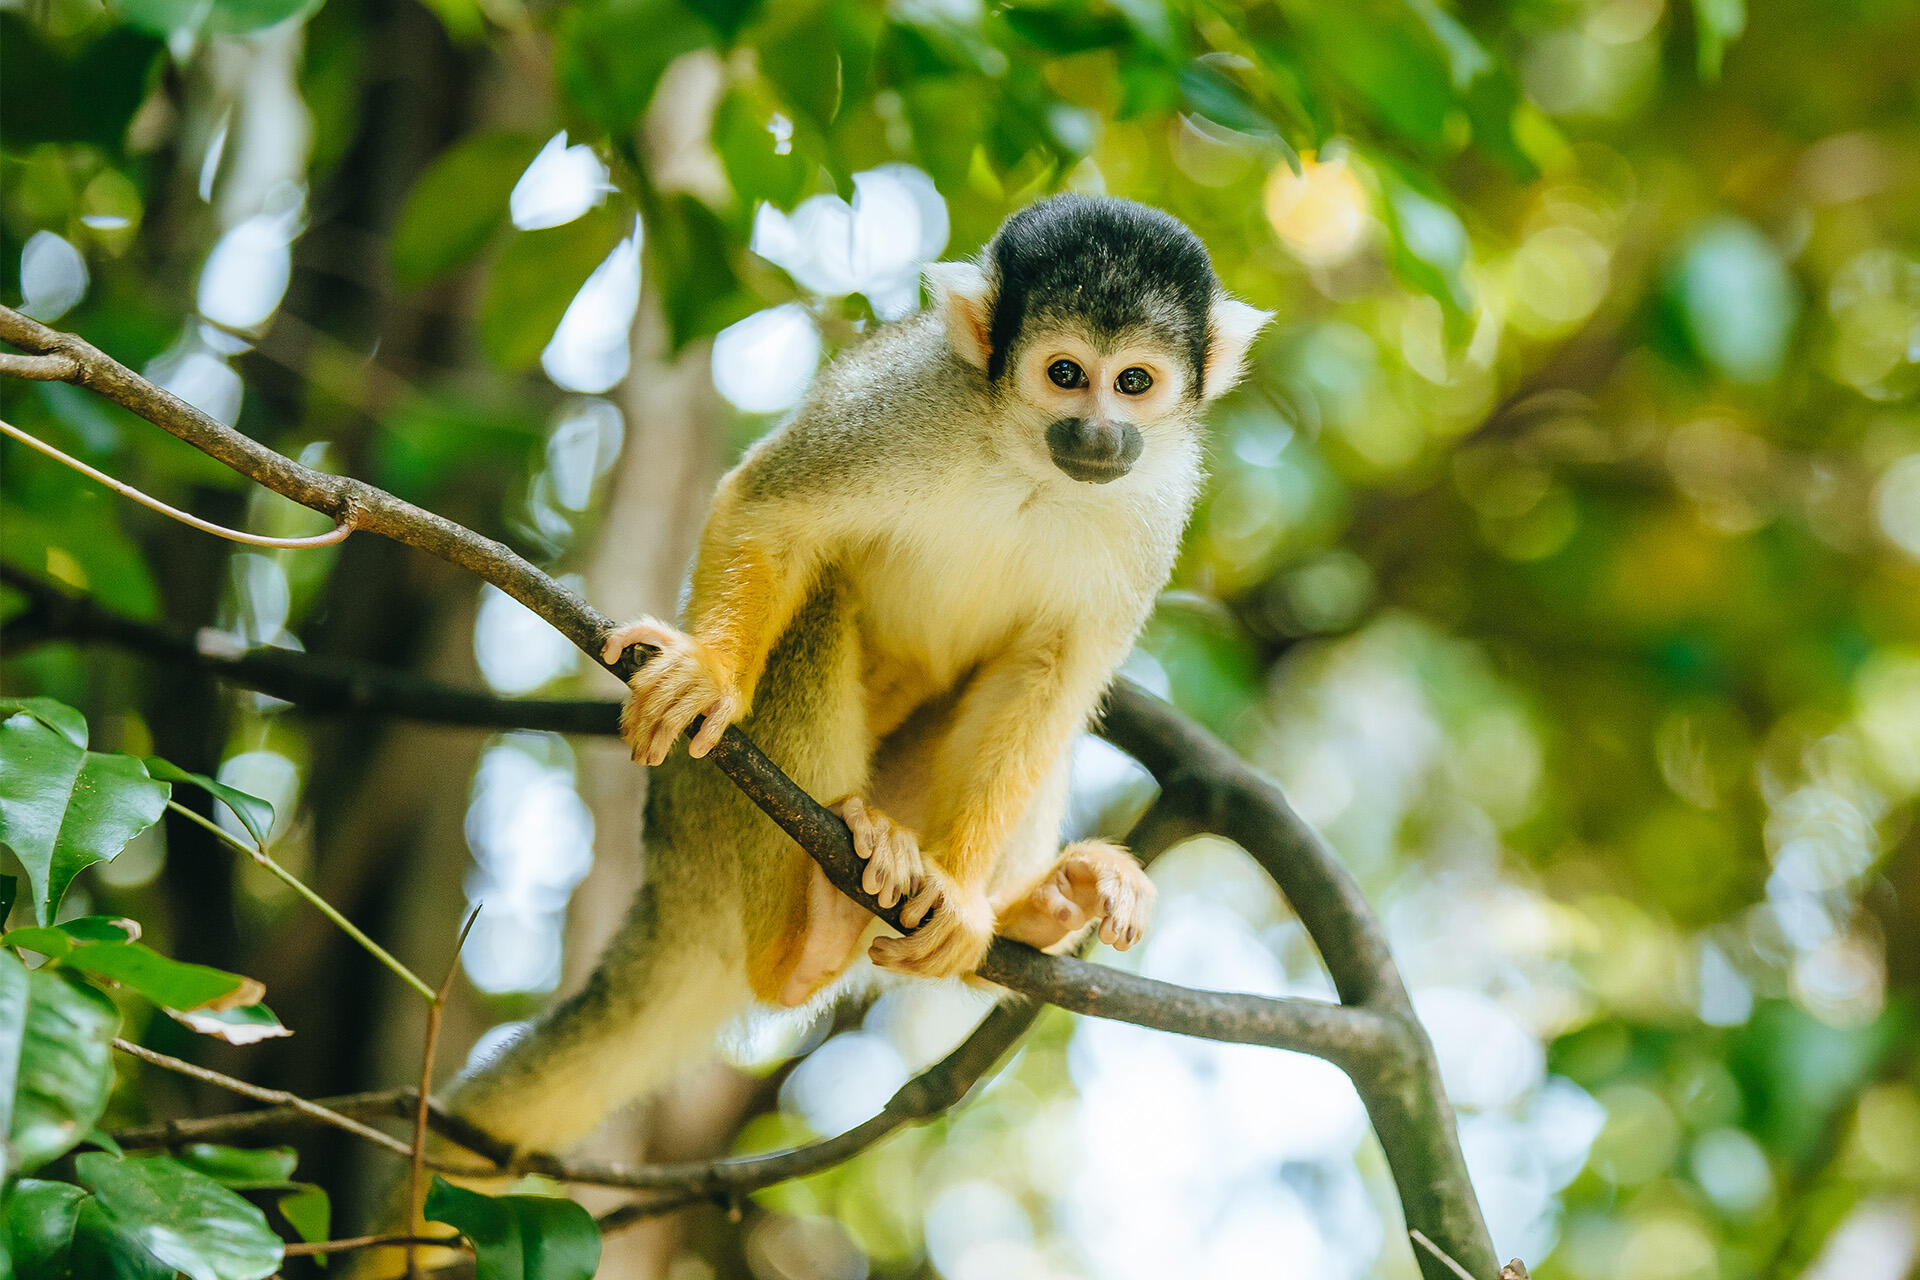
x: 1100, y: 403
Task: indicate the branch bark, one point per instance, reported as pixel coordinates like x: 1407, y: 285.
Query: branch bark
x: 1373, y: 1035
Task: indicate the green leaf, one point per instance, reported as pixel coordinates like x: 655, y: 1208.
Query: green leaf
x: 59, y: 940
x: 174, y: 984
x: 185, y: 1219
x: 537, y: 276
x: 802, y: 61
x: 241, y: 1168
x: 519, y: 1237
x: 459, y: 204
x: 63, y: 808
x: 1067, y: 28
x: 53, y: 943
x: 101, y: 929
x: 1430, y: 247
x: 309, y: 1213
x: 56, y: 1059
x: 40, y: 1221
x: 255, y: 814
x: 760, y: 166
x: 611, y: 55
x: 210, y: 17
x: 51, y: 91
x: 699, y: 301
x: 56, y: 715
x: 244, y: 1025
x: 726, y: 16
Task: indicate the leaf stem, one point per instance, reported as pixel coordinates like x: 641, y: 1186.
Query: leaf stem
x: 325, y: 908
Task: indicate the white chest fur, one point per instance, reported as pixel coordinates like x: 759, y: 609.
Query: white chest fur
x: 963, y: 569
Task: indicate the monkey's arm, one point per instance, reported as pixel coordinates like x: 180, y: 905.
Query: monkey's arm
x: 752, y: 570
x: 1018, y: 715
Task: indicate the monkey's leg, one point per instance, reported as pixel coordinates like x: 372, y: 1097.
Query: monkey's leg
x: 1093, y: 880
x: 828, y: 943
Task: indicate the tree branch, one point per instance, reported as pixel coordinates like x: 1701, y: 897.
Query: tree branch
x: 1374, y: 1036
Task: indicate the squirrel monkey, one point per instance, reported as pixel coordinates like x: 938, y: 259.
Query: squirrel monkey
x: 911, y: 596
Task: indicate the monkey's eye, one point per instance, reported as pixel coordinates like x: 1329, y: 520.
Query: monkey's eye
x: 1066, y: 374
x: 1133, y: 382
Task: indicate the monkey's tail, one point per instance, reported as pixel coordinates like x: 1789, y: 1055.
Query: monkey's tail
x: 661, y: 993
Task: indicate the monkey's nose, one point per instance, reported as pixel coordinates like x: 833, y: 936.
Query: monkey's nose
x: 1095, y: 450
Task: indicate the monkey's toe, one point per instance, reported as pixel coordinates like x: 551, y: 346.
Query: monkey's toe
x: 955, y: 929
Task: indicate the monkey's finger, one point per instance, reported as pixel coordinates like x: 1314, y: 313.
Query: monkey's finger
x: 672, y: 722
x: 718, y: 717
x: 644, y: 630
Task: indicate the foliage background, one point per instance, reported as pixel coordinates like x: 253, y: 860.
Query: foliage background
x: 1561, y: 557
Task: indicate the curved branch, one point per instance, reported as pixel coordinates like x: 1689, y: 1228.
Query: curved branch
x: 1395, y: 1072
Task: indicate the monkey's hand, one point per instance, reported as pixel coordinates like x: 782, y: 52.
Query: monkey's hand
x: 952, y: 926
x: 1094, y: 880
x: 892, y: 853
x: 685, y: 679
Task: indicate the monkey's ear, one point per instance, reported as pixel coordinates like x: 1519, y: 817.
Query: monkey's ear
x: 964, y: 295
x: 1231, y: 326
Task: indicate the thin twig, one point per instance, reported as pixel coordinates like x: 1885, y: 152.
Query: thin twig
x: 312, y: 1110
x: 338, y: 533
x: 1420, y: 1238
x: 302, y: 1250
x: 416, y: 1164
x: 261, y: 856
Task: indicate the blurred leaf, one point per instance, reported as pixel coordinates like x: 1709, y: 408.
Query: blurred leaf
x: 87, y: 93
x: 186, y: 1220
x: 310, y: 1213
x: 459, y: 204
x: 1734, y: 299
x: 802, y: 61
x: 437, y: 439
x: 1430, y: 247
x: 1393, y: 67
x: 538, y: 274
x: 691, y: 255
x: 255, y: 814
x: 174, y: 984
x: 210, y: 17
x: 241, y: 1168
x: 248, y: 1024
x: 56, y: 1067
x: 83, y: 548
x: 63, y: 808
x: 726, y: 16
x: 1067, y: 28
x: 611, y: 55
x: 756, y: 166
x: 1720, y: 23
x: 519, y: 1237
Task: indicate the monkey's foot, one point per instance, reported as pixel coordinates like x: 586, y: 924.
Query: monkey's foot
x: 952, y: 926
x: 892, y: 852
x: 1094, y: 880
x: 684, y: 679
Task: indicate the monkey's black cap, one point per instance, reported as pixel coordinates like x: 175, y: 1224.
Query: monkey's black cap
x: 1108, y: 263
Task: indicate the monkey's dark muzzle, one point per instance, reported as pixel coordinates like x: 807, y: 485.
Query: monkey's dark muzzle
x: 1094, y: 451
